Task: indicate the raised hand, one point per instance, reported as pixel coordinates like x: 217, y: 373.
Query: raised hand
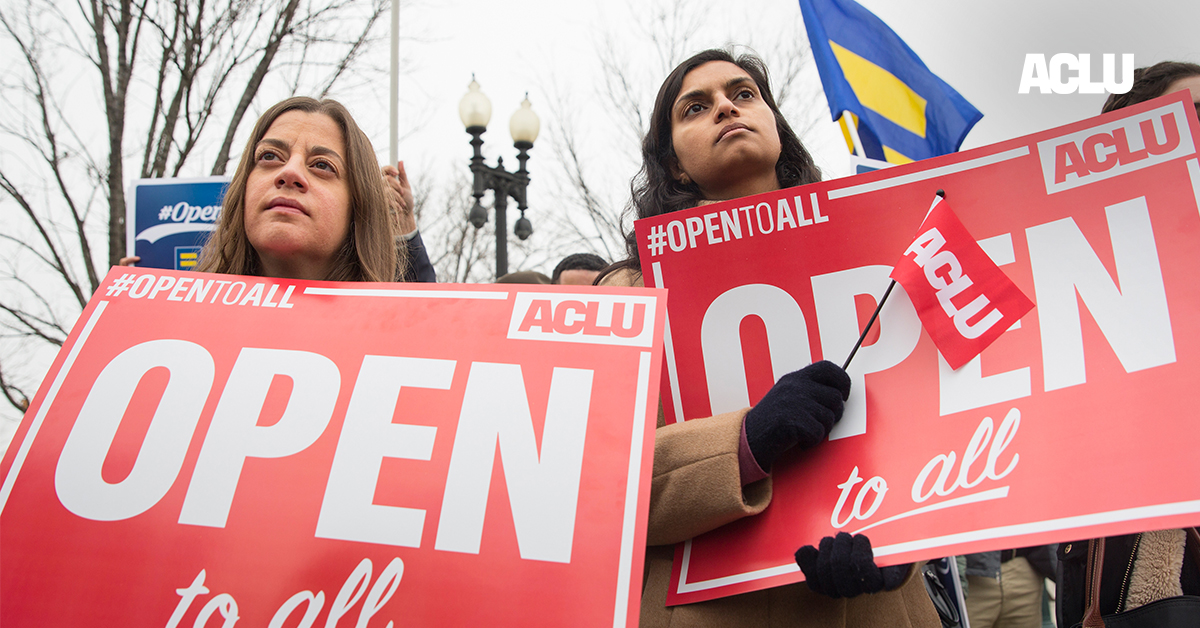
x: 400, y: 197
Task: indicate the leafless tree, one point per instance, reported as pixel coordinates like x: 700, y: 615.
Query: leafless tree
x: 460, y: 253
x: 457, y: 250
x: 98, y: 92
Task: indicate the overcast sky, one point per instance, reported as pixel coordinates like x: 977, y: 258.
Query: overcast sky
x: 978, y: 47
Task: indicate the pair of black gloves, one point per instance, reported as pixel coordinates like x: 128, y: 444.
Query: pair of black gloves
x: 799, y: 411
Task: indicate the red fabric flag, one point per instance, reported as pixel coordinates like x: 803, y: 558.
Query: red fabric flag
x: 963, y: 299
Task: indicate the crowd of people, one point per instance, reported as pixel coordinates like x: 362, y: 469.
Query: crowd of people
x: 309, y: 201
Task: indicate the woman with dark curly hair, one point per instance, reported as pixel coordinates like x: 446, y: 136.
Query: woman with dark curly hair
x: 717, y: 134
x: 662, y: 187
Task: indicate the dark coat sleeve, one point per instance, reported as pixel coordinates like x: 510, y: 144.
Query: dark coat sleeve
x: 420, y: 269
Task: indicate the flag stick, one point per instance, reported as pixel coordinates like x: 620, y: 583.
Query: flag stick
x: 941, y: 195
x: 874, y: 315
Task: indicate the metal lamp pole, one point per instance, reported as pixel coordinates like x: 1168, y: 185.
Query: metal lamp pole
x: 475, y: 110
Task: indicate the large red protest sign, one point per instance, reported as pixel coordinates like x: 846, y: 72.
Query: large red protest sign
x: 213, y: 449
x: 1076, y: 422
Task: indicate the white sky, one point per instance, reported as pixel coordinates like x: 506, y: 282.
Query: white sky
x: 977, y: 47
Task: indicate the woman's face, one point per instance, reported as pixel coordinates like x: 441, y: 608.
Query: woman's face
x: 724, y: 133
x: 297, y: 197
x: 1192, y: 84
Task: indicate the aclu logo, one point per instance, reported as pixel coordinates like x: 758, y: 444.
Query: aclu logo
x: 1116, y: 147
x: 1067, y: 73
x: 587, y: 318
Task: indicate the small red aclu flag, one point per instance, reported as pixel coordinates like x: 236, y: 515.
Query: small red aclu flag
x: 963, y: 299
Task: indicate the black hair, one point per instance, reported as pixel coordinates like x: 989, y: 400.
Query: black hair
x: 578, y: 261
x: 656, y: 191
x: 1151, y: 82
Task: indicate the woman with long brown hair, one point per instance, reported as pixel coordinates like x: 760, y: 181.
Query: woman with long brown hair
x: 717, y: 134
x: 306, y: 201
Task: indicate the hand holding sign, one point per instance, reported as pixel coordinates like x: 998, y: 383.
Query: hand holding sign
x: 844, y: 566
x: 798, y: 411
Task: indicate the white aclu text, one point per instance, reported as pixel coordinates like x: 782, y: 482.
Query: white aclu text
x: 1052, y: 77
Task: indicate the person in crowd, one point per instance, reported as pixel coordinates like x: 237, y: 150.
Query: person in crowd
x: 716, y: 134
x: 524, y: 276
x: 402, y: 201
x: 1004, y: 589
x: 1137, y: 569
x: 1166, y: 77
x: 578, y: 269
x: 306, y: 201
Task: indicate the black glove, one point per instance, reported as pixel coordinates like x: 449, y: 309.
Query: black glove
x: 845, y: 567
x: 799, y: 410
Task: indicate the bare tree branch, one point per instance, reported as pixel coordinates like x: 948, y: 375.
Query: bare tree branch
x: 55, y: 257
x: 12, y: 394
x: 356, y: 48
x: 33, y: 326
x: 282, y: 27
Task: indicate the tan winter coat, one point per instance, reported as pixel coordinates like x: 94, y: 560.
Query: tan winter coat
x: 697, y: 488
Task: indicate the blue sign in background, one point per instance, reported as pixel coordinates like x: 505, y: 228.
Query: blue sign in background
x: 167, y: 221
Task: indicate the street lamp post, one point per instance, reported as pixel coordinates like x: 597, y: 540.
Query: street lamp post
x: 476, y: 110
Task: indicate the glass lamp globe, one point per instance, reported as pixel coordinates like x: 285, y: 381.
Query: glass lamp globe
x: 524, y: 124
x: 475, y: 109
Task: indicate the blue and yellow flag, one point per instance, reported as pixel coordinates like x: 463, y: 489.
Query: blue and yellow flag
x: 902, y: 111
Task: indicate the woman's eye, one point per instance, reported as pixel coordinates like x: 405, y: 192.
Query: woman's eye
x: 321, y: 164
x: 745, y: 94
x: 267, y: 155
x: 693, y: 109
